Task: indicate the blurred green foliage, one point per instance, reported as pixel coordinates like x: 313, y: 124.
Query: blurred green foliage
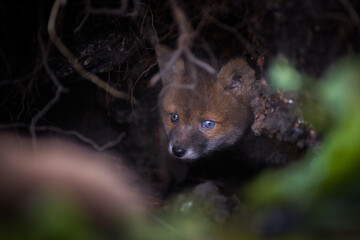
x: 283, y: 76
x: 323, y: 191
x: 47, y: 216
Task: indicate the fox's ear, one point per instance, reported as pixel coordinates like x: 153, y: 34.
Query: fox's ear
x: 236, y: 76
x: 170, y: 72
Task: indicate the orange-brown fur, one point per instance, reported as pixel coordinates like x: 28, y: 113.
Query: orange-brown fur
x: 222, y: 98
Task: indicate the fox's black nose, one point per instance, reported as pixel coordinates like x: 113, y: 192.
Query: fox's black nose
x: 179, y: 151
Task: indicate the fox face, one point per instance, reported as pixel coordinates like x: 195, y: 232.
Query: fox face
x: 201, y: 112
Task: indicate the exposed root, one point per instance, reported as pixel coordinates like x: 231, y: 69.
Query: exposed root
x: 184, y: 44
x: 72, y: 59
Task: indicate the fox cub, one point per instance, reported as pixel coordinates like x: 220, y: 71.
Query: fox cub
x: 204, y: 112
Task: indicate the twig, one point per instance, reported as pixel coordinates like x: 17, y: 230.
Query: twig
x: 71, y: 58
x: 81, y: 24
x: 185, y: 39
x: 19, y: 80
x: 174, y: 57
x: 184, y: 43
x: 28, y: 88
x: 55, y: 99
x: 121, y: 11
x: 143, y: 73
x: 78, y: 135
x: 40, y: 114
x: 153, y: 26
x: 200, y: 63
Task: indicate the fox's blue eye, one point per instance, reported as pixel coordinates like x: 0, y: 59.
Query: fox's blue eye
x: 208, y: 124
x: 174, y: 117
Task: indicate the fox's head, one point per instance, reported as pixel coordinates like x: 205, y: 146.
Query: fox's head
x: 202, y: 112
